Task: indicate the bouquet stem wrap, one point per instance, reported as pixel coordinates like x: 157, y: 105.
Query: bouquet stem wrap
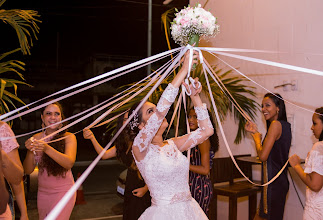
x: 194, y: 38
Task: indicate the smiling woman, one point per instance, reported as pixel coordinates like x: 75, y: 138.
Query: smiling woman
x: 54, y: 160
x: 273, y: 152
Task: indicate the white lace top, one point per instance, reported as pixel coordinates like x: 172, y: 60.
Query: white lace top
x: 10, y: 144
x: 165, y: 169
x: 314, y: 200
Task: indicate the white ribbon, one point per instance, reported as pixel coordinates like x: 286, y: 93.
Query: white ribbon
x: 60, y: 205
x: 71, y: 192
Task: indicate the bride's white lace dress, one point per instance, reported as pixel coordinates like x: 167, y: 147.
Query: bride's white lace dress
x: 165, y: 169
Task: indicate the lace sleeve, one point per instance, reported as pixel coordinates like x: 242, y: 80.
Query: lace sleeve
x: 146, y: 134
x: 8, y: 144
x: 198, y: 136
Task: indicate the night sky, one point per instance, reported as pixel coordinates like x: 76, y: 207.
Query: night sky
x: 72, y: 32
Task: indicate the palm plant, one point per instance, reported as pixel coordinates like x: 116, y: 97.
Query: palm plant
x: 234, y: 85
x: 224, y: 106
x: 24, y: 22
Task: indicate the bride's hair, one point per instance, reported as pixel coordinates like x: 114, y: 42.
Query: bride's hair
x: 320, y: 115
x: 132, y: 128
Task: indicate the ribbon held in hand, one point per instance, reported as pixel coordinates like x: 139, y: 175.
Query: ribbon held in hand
x: 193, y: 84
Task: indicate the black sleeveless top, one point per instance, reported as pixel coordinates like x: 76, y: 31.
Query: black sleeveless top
x: 273, y: 196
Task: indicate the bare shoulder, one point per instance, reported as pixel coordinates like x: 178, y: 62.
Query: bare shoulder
x: 69, y: 136
x: 275, y: 129
x: 275, y: 125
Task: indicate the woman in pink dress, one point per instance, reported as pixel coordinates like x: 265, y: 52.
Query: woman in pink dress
x: 54, y: 160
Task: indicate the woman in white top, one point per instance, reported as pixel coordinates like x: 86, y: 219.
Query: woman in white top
x: 312, y: 175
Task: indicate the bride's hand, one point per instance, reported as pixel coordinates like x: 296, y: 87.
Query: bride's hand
x: 185, y: 60
x: 195, y: 87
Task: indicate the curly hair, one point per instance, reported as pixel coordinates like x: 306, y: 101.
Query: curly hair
x: 320, y: 115
x: 52, y: 167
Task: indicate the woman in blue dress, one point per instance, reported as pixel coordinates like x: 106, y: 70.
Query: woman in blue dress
x: 273, y: 152
x: 200, y: 164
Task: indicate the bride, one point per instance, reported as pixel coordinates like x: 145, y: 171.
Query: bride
x: 162, y: 165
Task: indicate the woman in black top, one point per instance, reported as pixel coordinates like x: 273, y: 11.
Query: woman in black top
x: 273, y: 152
x: 136, y: 196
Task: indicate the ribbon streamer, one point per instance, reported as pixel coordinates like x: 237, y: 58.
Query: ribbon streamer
x: 158, y: 78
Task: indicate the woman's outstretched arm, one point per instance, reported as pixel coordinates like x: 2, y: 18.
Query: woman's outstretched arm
x: 205, y: 128
x: 313, y: 180
x: 150, y: 128
x: 111, y: 152
x: 273, y: 134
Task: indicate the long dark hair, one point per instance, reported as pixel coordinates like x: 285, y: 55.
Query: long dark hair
x: 320, y: 115
x: 214, y: 139
x: 132, y: 132
x: 52, y: 167
x: 279, y: 102
x: 124, y: 141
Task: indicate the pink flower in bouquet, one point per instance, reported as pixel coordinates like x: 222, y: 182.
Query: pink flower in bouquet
x: 193, y: 21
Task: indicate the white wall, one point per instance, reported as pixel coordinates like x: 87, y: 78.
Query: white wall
x: 295, y: 29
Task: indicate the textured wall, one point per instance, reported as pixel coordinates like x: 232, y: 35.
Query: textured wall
x: 294, y: 29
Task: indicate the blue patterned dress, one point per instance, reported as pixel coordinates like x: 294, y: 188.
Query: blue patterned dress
x: 200, y: 185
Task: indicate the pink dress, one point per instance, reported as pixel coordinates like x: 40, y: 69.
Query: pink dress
x: 7, y: 146
x: 50, y: 191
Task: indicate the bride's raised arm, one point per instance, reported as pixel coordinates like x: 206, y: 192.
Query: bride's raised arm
x: 205, y: 129
x: 156, y: 115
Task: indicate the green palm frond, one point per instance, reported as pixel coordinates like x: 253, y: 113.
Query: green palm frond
x: 167, y: 18
x: 224, y: 106
x: 12, y: 65
x: 25, y: 24
x: 239, y: 92
x: 6, y: 97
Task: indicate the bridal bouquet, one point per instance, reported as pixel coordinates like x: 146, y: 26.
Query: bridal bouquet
x: 191, y: 23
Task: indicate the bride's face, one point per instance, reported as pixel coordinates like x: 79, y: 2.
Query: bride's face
x: 147, y: 110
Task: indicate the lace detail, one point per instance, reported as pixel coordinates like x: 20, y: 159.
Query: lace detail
x: 146, y: 134
x: 194, y: 137
x: 170, y: 93
x: 165, y: 171
x: 201, y: 112
x: 9, y: 142
x: 163, y: 107
x: 180, y: 197
x: 150, y: 129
